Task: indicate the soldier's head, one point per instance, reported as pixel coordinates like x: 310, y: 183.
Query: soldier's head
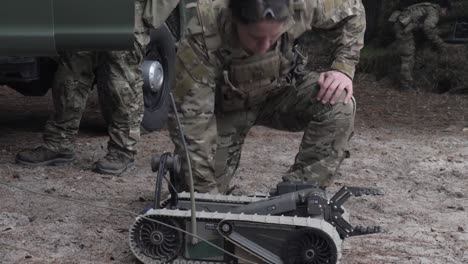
x: 445, y: 6
x: 259, y: 23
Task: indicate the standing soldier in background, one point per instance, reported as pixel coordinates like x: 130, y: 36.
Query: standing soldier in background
x: 117, y: 75
x: 240, y: 66
x: 423, y: 16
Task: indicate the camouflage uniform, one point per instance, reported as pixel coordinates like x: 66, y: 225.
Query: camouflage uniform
x: 155, y: 12
x: 423, y: 16
x: 118, y: 79
x: 221, y: 92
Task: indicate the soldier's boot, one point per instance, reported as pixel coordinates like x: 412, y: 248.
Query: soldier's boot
x: 42, y: 156
x: 407, y: 85
x: 114, y: 163
x: 404, y: 86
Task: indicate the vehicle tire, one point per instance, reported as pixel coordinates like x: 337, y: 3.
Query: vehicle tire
x: 161, y: 49
x: 156, y: 105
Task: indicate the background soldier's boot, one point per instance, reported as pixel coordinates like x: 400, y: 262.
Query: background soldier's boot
x: 114, y: 163
x: 406, y: 85
x: 43, y: 156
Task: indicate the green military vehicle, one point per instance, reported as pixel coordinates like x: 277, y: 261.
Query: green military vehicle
x: 33, y: 33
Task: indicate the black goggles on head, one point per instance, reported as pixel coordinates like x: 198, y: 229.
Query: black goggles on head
x: 251, y: 11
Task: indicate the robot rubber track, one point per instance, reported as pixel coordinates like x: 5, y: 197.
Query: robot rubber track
x: 232, y: 222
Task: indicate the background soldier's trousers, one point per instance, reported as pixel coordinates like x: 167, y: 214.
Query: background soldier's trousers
x: 406, y: 49
x: 117, y: 76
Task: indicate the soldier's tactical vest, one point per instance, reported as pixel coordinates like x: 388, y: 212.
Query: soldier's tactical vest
x: 246, y: 80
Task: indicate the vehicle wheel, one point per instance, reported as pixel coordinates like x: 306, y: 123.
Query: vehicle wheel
x: 158, y: 75
x: 156, y: 102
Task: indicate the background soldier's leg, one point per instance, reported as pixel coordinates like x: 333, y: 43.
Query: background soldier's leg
x: 327, y: 130
x: 120, y: 90
x: 72, y: 85
x: 232, y: 130
x: 407, y: 64
x: 406, y: 49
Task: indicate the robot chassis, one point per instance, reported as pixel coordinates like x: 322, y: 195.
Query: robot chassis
x: 295, y: 224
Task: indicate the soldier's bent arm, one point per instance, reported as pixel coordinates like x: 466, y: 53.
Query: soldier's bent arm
x: 430, y: 27
x: 348, y: 18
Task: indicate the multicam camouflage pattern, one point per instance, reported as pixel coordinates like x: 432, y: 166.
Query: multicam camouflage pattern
x: 151, y: 14
x: 221, y: 92
x: 423, y: 16
x: 350, y: 35
x: 117, y: 75
x: 155, y: 12
x: 118, y: 80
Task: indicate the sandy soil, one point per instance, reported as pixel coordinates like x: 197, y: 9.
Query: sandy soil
x: 412, y: 145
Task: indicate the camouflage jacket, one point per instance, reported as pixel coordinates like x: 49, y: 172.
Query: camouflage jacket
x: 155, y: 12
x: 420, y: 15
x: 211, y: 26
x: 423, y: 16
x: 151, y: 14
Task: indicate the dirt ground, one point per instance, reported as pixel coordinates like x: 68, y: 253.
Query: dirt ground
x: 412, y: 145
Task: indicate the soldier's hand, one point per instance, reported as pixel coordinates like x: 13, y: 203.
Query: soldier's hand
x: 332, y: 85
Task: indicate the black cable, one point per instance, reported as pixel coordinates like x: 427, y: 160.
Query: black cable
x: 189, y: 165
x: 159, y: 176
x: 174, y: 196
